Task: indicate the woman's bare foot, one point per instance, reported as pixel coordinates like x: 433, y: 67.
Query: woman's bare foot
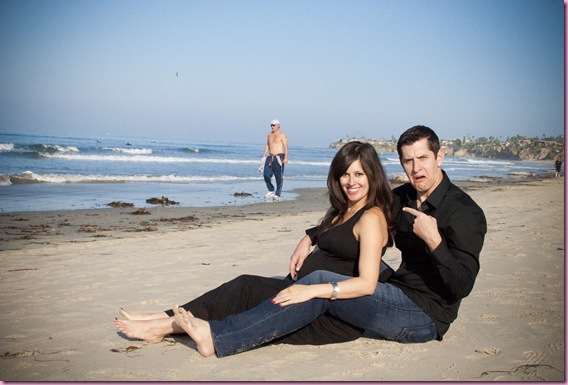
x: 142, y: 316
x: 198, y: 329
x: 149, y: 330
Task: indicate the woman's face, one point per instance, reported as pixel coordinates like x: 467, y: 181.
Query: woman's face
x: 354, y: 183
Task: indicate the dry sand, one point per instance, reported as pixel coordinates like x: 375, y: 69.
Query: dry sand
x: 64, y: 275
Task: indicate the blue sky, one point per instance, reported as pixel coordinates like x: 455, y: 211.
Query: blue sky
x: 325, y: 69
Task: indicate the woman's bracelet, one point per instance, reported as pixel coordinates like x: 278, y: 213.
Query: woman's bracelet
x: 334, y: 291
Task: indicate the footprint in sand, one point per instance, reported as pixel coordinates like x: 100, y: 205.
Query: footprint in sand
x: 489, y: 350
x: 13, y: 337
x: 303, y: 356
x: 534, y: 358
x: 517, y: 256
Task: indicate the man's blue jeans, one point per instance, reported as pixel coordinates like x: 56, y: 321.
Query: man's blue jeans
x: 388, y: 314
x: 274, y: 167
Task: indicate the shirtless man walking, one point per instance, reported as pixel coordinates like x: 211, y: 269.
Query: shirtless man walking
x: 274, y: 158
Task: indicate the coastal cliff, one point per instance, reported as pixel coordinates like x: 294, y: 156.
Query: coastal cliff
x: 517, y: 148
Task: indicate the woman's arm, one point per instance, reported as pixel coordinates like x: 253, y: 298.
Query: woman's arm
x: 371, y: 231
x: 299, y: 255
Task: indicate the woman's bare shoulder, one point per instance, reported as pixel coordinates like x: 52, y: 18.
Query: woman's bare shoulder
x: 373, y: 215
x: 374, y: 212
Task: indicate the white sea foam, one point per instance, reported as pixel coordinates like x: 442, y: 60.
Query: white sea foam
x: 323, y: 164
x: 6, y: 147
x: 488, y: 161
x: 55, y: 148
x: 131, y: 151
x: 143, y: 158
x: 31, y: 177
x: 165, y: 159
x: 5, y: 180
x: 390, y: 160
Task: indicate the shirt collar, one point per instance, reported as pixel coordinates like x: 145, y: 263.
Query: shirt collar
x: 435, y: 198
x: 438, y: 194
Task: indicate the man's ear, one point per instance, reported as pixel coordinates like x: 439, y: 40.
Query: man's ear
x: 440, y: 157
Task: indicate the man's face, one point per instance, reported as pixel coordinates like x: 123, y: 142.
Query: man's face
x: 274, y: 127
x: 422, y: 167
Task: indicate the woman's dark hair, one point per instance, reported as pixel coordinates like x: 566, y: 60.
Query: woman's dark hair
x: 380, y: 194
x: 416, y: 133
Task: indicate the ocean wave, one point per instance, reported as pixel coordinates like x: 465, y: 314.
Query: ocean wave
x: 389, y: 159
x: 307, y: 163
x: 38, y: 149
x: 131, y: 151
x: 147, y: 159
x: 6, y: 147
x: 476, y: 161
x: 5, y: 180
x: 53, y: 149
x: 166, y: 159
x: 29, y: 177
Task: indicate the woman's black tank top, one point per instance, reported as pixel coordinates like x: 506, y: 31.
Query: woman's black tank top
x: 338, y: 250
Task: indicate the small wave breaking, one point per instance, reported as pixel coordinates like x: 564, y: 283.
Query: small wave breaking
x: 131, y: 151
x: 29, y: 177
x: 6, y: 147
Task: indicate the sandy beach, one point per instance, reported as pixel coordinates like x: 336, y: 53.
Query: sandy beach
x: 65, y: 274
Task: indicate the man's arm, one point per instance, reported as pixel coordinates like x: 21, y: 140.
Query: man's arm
x: 285, y: 145
x: 266, y: 149
x: 457, y: 256
x: 455, y: 250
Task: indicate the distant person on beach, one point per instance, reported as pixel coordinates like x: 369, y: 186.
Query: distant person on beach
x: 274, y: 157
x: 558, y: 167
x: 350, y: 240
x: 440, y: 231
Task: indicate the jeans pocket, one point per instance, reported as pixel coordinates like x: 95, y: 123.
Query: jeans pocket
x: 417, y: 334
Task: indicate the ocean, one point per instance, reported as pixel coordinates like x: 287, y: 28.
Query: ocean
x: 40, y: 172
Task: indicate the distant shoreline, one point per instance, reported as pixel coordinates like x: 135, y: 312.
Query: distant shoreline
x: 519, y: 149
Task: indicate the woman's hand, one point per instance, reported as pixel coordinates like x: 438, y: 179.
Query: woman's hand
x: 296, y: 294
x: 299, y: 256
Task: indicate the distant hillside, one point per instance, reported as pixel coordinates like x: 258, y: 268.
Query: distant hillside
x: 516, y: 148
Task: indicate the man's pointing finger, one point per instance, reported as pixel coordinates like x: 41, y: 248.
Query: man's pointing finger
x: 412, y: 211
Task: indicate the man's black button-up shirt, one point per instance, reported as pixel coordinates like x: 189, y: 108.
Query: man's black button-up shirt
x: 438, y: 280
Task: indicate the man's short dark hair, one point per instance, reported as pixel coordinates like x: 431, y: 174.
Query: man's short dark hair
x: 416, y: 133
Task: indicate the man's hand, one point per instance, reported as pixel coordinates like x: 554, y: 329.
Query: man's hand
x: 426, y: 228
x: 262, y: 162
